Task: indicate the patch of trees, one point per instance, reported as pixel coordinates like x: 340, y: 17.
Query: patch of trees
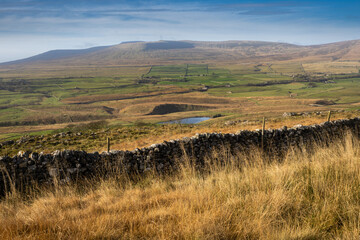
x: 268, y: 83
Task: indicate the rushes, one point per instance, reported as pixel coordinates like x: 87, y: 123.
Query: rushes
x: 307, y: 196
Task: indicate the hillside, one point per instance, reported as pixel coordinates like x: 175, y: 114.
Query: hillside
x: 307, y: 195
x: 55, y: 55
x: 165, y: 52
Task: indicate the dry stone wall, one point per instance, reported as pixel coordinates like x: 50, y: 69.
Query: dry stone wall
x: 27, y: 168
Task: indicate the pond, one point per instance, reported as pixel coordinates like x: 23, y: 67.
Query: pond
x: 192, y: 120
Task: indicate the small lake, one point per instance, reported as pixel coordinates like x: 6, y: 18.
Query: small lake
x: 192, y: 120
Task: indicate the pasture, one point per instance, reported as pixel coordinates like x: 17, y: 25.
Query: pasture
x: 49, y: 98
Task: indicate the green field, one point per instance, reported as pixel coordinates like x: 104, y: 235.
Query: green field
x: 128, y: 94
x: 224, y: 81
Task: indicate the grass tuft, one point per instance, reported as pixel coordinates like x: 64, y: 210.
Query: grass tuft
x: 306, y: 196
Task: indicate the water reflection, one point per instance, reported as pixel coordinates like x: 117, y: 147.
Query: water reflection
x: 192, y: 120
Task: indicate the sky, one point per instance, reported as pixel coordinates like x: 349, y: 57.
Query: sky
x: 30, y: 27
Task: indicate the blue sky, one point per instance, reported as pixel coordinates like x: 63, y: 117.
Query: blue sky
x: 29, y: 27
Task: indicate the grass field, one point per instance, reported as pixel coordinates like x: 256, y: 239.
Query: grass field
x: 333, y: 67
x: 51, y: 96
x: 306, y: 196
x: 93, y: 136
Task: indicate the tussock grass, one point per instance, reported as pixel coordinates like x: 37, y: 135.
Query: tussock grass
x: 305, y: 196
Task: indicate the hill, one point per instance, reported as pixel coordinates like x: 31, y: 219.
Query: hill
x: 165, y: 52
x: 55, y: 55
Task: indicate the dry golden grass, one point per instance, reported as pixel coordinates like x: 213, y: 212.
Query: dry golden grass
x: 307, y: 196
x: 332, y: 67
x: 113, y: 97
x: 61, y: 71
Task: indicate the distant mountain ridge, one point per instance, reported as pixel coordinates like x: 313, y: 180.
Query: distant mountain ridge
x: 56, y: 54
x: 162, y: 52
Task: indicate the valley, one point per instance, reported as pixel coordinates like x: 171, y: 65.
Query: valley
x: 48, y: 93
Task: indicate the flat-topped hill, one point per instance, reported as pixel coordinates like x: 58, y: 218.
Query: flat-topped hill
x: 162, y: 52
